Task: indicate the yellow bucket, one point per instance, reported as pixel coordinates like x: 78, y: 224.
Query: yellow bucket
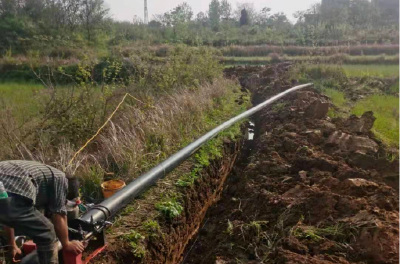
x: 111, y: 187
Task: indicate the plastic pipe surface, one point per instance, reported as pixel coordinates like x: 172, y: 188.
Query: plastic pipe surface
x: 110, y: 206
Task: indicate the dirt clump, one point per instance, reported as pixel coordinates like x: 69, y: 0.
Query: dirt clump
x: 312, y: 190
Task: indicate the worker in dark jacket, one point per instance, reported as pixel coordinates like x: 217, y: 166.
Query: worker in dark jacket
x: 31, y: 187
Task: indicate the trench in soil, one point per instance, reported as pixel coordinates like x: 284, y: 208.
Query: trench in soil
x: 298, y: 193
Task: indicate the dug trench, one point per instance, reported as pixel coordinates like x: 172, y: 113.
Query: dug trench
x: 307, y: 189
x: 312, y: 190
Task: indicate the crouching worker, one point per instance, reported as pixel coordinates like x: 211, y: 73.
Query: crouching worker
x: 32, y: 186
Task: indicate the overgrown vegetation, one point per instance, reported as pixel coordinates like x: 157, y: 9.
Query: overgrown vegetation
x: 176, y: 101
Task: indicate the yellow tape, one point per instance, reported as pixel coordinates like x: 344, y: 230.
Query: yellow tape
x: 101, y: 128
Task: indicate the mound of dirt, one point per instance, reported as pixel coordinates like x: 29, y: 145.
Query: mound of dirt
x: 313, y: 190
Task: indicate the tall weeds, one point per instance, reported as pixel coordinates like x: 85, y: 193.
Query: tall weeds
x: 178, y: 101
x: 144, y: 135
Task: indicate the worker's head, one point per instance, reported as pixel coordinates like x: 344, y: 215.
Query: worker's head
x: 73, y: 188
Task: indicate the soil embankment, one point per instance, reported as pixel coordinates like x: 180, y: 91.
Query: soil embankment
x: 312, y: 189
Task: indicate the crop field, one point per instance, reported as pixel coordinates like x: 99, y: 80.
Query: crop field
x: 382, y: 71
x: 355, y: 61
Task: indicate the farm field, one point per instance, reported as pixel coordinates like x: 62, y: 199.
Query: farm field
x: 339, y: 58
x: 374, y: 70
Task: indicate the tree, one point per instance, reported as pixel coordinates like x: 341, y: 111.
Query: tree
x: 262, y: 17
x: 70, y: 11
x: 155, y: 24
x: 225, y: 9
x: 178, y: 18
x: 181, y: 14
x: 92, y: 15
x: 34, y: 9
x: 335, y: 12
x: 250, y: 9
x: 244, y: 18
x: 214, y: 14
x: 202, y: 19
x: 279, y: 22
x: 137, y: 20
x: 361, y: 13
x: 8, y: 7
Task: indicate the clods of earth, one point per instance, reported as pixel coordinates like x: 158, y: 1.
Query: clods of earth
x: 312, y: 189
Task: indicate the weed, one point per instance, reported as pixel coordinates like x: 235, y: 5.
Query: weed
x: 229, y: 229
x: 256, y: 227
x: 170, y: 208
x: 188, y: 179
x: 133, y: 236
x: 338, y: 232
x: 279, y: 106
x: 128, y: 210
x: 91, y: 181
x: 152, y: 228
x: 307, y: 233
x: 135, y: 239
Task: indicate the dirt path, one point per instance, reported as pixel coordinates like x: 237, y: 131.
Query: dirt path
x: 311, y: 190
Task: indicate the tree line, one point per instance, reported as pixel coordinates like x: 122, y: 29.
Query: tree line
x: 36, y: 24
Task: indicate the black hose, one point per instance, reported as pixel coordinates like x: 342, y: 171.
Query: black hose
x: 110, y: 206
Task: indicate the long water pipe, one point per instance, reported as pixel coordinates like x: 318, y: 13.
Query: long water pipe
x: 110, y: 206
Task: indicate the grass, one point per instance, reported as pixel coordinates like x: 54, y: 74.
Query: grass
x: 386, y: 111
x: 19, y: 97
x: 339, y: 58
x: 336, y: 232
x: 336, y: 96
x: 395, y: 88
x: 381, y: 71
x: 263, y: 50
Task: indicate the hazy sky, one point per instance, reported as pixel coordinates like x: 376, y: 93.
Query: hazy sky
x: 126, y: 9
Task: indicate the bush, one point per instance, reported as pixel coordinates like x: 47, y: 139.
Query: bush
x: 184, y: 68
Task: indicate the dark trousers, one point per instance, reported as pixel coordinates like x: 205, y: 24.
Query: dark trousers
x: 19, y: 213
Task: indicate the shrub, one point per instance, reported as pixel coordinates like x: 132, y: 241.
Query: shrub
x: 185, y: 67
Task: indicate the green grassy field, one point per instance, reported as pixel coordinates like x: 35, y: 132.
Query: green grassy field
x: 395, y: 87
x: 374, y: 61
x: 374, y: 70
x: 336, y: 96
x: 386, y: 111
x: 21, y: 99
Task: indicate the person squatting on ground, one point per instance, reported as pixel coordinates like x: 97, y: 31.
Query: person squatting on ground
x: 33, y: 187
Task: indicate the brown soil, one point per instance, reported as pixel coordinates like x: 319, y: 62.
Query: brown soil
x: 312, y: 190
